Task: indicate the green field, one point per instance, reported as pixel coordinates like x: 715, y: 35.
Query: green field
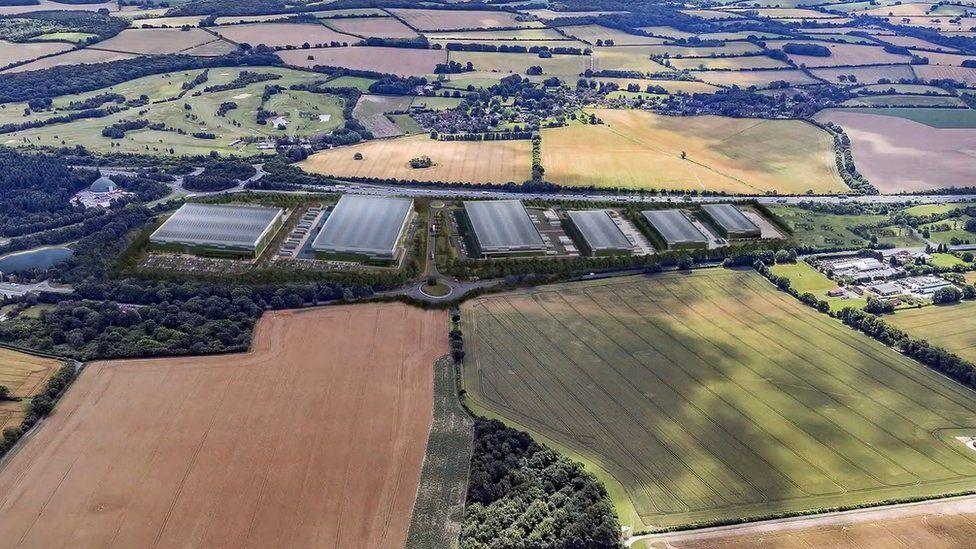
x: 905, y: 101
x: 304, y: 113
x: 952, y: 327
x: 929, y: 209
x: 710, y: 395
x: 804, y: 278
x: 937, y: 118
x: 954, y: 229
x: 820, y: 230
x: 947, y: 260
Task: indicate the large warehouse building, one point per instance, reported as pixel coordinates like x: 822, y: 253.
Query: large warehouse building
x: 218, y: 229
x: 730, y: 221
x: 597, y: 233
x: 365, y: 228
x: 502, y: 228
x: 675, y: 229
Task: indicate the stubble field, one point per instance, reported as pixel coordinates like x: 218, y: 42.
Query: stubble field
x: 896, y: 154
x: 638, y: 149
x: 24, y: 375
x: 711, y: 395
x: 313, y: 438
x: 454, y: 161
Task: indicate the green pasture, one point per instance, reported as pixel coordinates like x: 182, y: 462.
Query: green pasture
x: 711, y: 395
x: 935, y: 117
x: 952, y: 327
x: 195, y: 112
x: 804, y: 278
x: 822, y: 230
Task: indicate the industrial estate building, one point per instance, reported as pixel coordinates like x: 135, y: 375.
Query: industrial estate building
x: 677, y: 232
x: 597, y: 233
x: 365, y: 228
x: 502, y: 228
x: 218, y: 229
x: 730, y: 222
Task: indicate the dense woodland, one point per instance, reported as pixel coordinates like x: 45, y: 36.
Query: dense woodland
x: 35, y: 192
x: 523, y: 495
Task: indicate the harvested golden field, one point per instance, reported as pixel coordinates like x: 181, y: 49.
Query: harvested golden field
x: 558, y: 65
x: 277, y: 35
x: 73, y: 57
x: 368, y: 27
x: 760, y: 78
x: 17, y: 53
x: 454, y: 161
x: 672, y: 86
x: 158, y: 22
x: 624, y: 59
x: 592, y: 33
x: 399, y: 61
x: 938, y: 72
x: 156, y: 41
x: 939, y: 58
x: 865, y: 75
x: 24, y: 375
x: 673, y: 50
x: 912, y: 42
x: 747, y: 62
x: 940, y: 524
x: 313, y: 438
x: 441, y: 20
x: 509, y: 34
x: 897, y: 155
x: 641, y: 150
x: 841, y: 55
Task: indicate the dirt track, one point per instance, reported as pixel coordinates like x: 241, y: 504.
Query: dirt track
x: 315, y: 438
x: 945, y: 524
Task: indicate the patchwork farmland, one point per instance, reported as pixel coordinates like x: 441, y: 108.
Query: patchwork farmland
x: 710, y: 396
x: 203, y: 451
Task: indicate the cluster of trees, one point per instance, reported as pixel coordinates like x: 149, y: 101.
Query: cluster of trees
x: 522, y: 495
x: 219, y: 175
x: 11, y: 127
x: 813, y: 50
x: 243, y: 79
x: 74, y: 79
x: 35, y: 192
x: 748, y: 103
x: 514, y: 48
x: 131, y: 318
x: 28, y: 25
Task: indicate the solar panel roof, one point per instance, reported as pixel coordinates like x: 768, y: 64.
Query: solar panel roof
x: 364, y: 224
x: 599, y: 230
x: 674, y: 227
x: 730, y: 218
x: 501, y: 225
x: 217, y: 224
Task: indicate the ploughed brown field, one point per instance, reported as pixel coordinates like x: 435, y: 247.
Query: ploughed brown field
x: 314, y: 438
x: 945, y: 524
x: 898, y: 155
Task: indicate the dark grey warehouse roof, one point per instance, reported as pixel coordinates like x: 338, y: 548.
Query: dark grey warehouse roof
x: 599, y: 230
x: 674, y: 226
x: 501, y: 225
x: 364, y: 224
x: 217, y: 224
x: 730, y: 218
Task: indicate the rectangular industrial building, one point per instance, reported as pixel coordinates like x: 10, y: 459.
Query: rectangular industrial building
x: 597, y: 233
x: 502, y: 228
x: 364, y: 228
x: 675, y: 229
x: 730, y: 221
x: 218, y: 229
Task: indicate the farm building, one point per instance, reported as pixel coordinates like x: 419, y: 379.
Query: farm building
x: 597, y: 233
x: 218, y: 229
x: 730, y: 221
x: 675, y: 229
x: 365, y: 228
x: 502, y: 228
